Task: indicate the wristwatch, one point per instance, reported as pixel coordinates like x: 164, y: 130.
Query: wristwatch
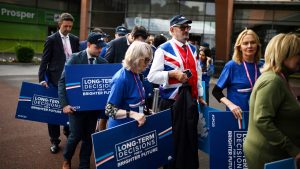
x: 128, y: 113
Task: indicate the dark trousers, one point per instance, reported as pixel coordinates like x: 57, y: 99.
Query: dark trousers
x: 54, y: 132
x: 163, y: 105
x: 82, y: 125
x: 54, y: 129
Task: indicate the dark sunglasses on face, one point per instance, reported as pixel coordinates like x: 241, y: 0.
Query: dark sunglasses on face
x: 183, y: 27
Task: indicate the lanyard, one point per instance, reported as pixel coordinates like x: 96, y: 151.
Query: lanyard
x: 247, y: 72
x: 140, y: 91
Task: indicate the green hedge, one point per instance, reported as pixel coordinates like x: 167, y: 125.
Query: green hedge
x: 24, y: 54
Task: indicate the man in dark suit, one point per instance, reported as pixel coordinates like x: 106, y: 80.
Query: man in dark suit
x: 117, y: 48
x: 57, y: 50
x: 120, y: 32
x: 82, y: 123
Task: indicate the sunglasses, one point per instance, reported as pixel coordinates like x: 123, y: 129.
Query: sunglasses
x: 183, y: 27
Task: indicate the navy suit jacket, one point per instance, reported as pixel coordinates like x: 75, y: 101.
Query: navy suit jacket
x: 82, y: 45
x: 116, y: 50
x: 77, y: 58
x: 54, y: 58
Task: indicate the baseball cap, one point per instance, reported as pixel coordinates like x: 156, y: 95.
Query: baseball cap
x: 96, y: 38
x: 121, y: 30
x: 105, y: 35
x: 179, y: 20
x: 205, y: 44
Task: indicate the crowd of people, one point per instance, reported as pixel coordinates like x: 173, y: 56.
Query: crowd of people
x: 177, y: 68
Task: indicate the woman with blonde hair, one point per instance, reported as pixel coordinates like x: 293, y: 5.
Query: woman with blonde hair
x: 240, y: 74
x: 273, y: 131
x: 127, y: 97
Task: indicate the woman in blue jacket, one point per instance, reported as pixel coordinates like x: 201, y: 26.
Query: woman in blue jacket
x: 127, y: 98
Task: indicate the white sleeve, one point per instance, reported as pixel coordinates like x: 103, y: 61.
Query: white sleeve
x: 157, y: 74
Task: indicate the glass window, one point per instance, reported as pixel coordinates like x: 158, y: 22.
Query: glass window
x: 53, y: 4
x: 192, y: 8
x: 74, y: 6
x: 142, y: 6
x: 209, y: 27
x: 155, y: 15
x: 197, y: 25
x: 102, y: 13
x: 210, y: 39
x: 103, y: 19
x: 133, y: 19
x: 20, y: 2
x: 285, y: 15
x: 160, y: 24
x: 170, y: 7
x: 210, y: 9
x: 108, y: 5
x: 240, y: 25
x: 253, y: 14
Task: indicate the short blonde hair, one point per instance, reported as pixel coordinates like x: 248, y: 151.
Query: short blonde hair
x: 237, y: 55
x: 137, y: 50
x: 281, y: 47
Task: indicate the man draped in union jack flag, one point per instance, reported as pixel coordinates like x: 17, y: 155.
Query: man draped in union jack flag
x: 171, y: 60
x: 174, y: 67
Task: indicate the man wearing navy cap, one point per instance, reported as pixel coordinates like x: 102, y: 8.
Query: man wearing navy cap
x: 105, y: 37
x: 121, y: 31
x: 82, y: 123
x: 175, y: 64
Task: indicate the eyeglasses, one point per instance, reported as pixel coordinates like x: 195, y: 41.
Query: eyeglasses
x: 147, y: 60
x: 183, y: 27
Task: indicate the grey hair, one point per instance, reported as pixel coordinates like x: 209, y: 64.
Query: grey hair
x: 136, y: 51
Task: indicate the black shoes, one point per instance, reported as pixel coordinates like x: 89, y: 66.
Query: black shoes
x: 54, y: 148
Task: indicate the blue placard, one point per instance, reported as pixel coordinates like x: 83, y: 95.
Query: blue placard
x: 128, y: 146
x: 226, y: 136
x: 288, y: 163
x: 88, y: 86
x: 203, y: 127
x: 37, y: 103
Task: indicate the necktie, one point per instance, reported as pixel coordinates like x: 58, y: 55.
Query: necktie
x: 67, y: 48
x: 184, y: 48
x: 184, y: 56
x: 91, y: 61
